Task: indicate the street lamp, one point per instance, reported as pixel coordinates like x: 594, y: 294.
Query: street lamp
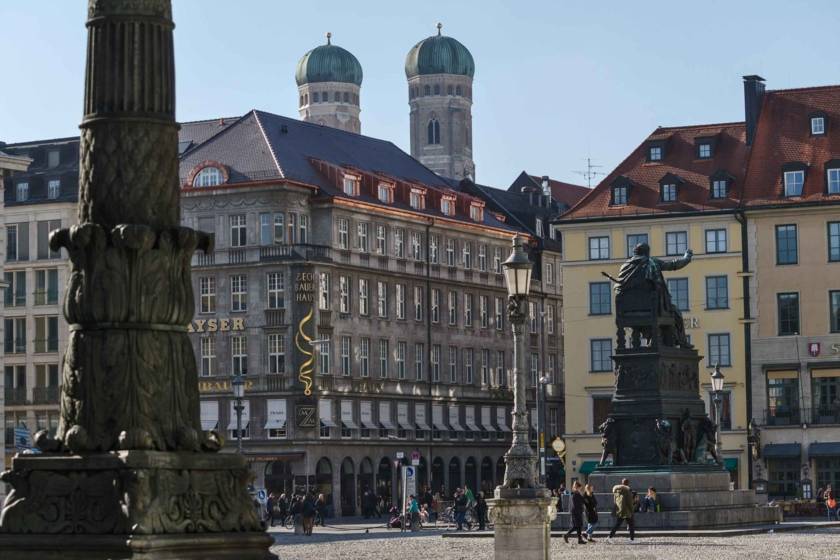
x: 520, y: 458
x: 238, y: 385
x: 717, y: 396
x: 541, y: 424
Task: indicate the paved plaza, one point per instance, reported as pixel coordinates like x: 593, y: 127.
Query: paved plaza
x: 351, y: 542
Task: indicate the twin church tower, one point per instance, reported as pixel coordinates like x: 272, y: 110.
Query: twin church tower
x: 439, y: 71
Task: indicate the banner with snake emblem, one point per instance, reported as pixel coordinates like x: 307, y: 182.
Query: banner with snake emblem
x: 303, y: 342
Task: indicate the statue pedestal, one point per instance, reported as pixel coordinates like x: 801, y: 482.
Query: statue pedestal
x: 522, y: 520
x: 130, y: 504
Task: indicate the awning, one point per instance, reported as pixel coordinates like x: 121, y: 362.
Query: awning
x: 385, y: 416
x: 454, y: 419
x: 485, y: 419
x: 730, y: 464
x: 437, y: 418
x: 325, y: 413
x: 246, y: 414
x: 501, y: 419
x: 782, y: 450
x: 209, y: 415
x: 402, y: 416
x: 587, y: 467
x: 827, y: 449
x: 366, y: 415
x: 534, y: 419
x: 420, y: 416
x: 347, y: 415
x: 824, y: 372
x: 275, y: 414
x: 469, y: 419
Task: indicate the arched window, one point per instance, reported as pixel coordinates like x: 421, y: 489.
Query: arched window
x: 208, y: 177
x: 346, y: 97
x: 337, y: 96
x: 433, y: 132
x: 457, y: 90
x: 449, y: 89
x: 316, y: 97
x: 437, y: 89
x: 306, y: 99
x: 325, y: 96
x: 427, y: 90
x: 301, y: 100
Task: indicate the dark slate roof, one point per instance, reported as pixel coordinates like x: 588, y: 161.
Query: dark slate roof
x: 39, y: 173
x: 565, y: 194
x: 197, y: 132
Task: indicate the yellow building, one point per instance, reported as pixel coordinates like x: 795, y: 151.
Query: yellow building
x: 678, y: 190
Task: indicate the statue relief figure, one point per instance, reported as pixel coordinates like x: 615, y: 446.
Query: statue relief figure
x: 707, y: 430
x: 689, y: 438
x: 664, y: 441
x: 609, y: 439
x: 642, y: 271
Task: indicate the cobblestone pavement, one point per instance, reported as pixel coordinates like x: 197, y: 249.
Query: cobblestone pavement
x: 820, y: 544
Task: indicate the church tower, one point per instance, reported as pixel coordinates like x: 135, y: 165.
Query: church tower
x: 329, y: 79
x: 440, y: 73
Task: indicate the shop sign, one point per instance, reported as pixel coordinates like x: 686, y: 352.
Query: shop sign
x: 216, y: 325
x: 305, y: 287
x: 221, y: 386
x: 306, y: 415
x: 691, y: 322
x: 814, y: 349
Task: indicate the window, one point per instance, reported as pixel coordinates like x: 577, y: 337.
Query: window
x: 453, y: 364
x: 834, y: 310
x: 548, y: 275
x: 600, y: 298
x: 538, y: 227
x: 782, y: 397
x: 53, y: 189
x: 499, y: 315
x: 346, y: 364
x: 704, y: 150
x: 344, y: 294
x: 381, y: 240
x: 364, y: 308
x: 15, y: 293
x: 634, y: 239
x: 382, y: 300
x: 678, y: 287
x: 599, y: 248
x: 343, y: 233
x: 415, y: 200
x: 717, y: 292
x: 676, y: 242
x: 324, y: 291
x: 788, y: 309
x: 828, y: 472
x: 17, y: 242
x: 600, y: 350
x: 46, y: 334
x: 655, y: 153
x: 668, y: 192
x: 719, y: 188
x: 238, y: 231
x: 276, y: 353
x: 399, y: 243
x: 416, y: 246
x: 817, y: 125
x: 535, y: 368
x: 350, y: 185
x: 719, y: 350
x: 433, y: 132
x: 434, y: 244
x: 715, y: 240
x: 484, y: 311
x: 619, y: 195
x: 418, y: 303
x: 783, y: 477
x: 549, y: 319
x: 53, y: 158
x: 383, y: 358
x: 832, y: 180
x: 14, y: 334
x: 401, y: 350
x: 362, y: 236
x: 291, y: 228
x: 482, y: 257
x: 725, y: 409
x: 469, y: 354
x: 794, y: 180
x: 450, y: 252
x: 497, y: 260
x: 466, y: 253
x: 786, y: 246
x: 447, y: 206
x: 239, y: 292
x: 476, y: 213
x: 279, y: 226
x: 436, y: 363
x: 501, y: 377
x: 551, y: 368
x: 364, y: 357
x: 453, y: 308
x: 324, y: 355
x: 207, y: 294
x: 44, y: 228
x: 601, y: 406
x: 400, y: 291
x: 11, y: 243
x: 435, y: 306
x: 533, y: 317
x: 239, y: 355
x: 46, y: 287
x: 384, y: 193
x: 22, y: 193
x: 468, y: 310
x: 208, y: 356
x: 419, y: 352
x: 485, y: 367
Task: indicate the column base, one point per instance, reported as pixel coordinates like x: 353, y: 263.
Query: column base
x: 522, y: 520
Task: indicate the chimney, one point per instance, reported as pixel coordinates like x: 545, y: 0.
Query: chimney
x: 753, y: 95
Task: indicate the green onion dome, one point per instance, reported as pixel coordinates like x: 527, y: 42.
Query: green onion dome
x: 328, y: 63
x: 439, y: 54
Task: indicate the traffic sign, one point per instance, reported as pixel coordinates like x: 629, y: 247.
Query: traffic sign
x: 23, y: 440
x: 262, y: 496
x: 415, y: 458
x: 400, y: 455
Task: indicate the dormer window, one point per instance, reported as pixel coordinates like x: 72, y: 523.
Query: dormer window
x: 619, y: 195
x: 22, y: 192
x: 719, y: 188
x: 832, y: 176
x: 669, y: 192
x: 476, y: 213
x: 704, y: 150
x: 385, y: 193
x: 817, y: 125
x: 417, y: 199
x: 793, y: 175
x: 53, y: 158
x: 538, y: 227
x: 208, y: 177
x: 719, y: 184
x: 655, y: 153
x: 447, y: 206
x: 350, y: 185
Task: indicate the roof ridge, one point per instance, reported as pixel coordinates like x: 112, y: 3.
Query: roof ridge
x: 235, y: 117
x: 236, y: 120
x: 321, y: 126
x: 255, y: 112
x: 686, y: 126
x: 804, y: 89
x: 47, y: 141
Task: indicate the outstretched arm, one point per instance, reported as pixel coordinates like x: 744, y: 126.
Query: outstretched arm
x: 677, y: 264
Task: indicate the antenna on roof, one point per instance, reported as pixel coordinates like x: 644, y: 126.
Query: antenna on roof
x: 329, y: 36
x: 439, y: 27
x: 590, y: 172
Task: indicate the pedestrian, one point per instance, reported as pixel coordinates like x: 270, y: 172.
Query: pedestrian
x: 576, y: 511
x: 413, y: 513
x: 470, y: 496
x: 435, y: 510
x: 590, y: 504
x: 830, y: 503
x: 481, y: 511
x: 623, y: 497
x: 282, y: 508
x: 269, y: 509
x: 296, y: 511
x: 460, y: 508
x: 321, y: 509
x: 650, y: 501
x: 308, y: 514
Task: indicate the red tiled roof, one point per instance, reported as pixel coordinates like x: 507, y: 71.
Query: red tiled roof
x: 565, y: 193
x: 783, y: 135
x: 729, y: 155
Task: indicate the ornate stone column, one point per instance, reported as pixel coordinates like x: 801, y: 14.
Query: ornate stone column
x: 130, y: 473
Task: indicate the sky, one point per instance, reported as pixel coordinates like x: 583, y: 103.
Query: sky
x: 556, y: 82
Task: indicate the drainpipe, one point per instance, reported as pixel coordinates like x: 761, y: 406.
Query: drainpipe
x: 428, y: 302
x: 741, y: 217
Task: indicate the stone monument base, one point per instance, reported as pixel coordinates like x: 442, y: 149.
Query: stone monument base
x: 691, y: 497
x: 130, y: 505
x: 522, y: 520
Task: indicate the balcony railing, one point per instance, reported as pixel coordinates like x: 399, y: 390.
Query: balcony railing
x: 275, y: 317
x: 266, y: 253
x: 794, y: 416
x: 45, y: 395
x: 825, y: 415
x: 15, y: 395
x: 782, y: 416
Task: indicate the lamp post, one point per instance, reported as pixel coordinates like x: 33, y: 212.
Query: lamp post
x: 238, y: 385
x: 520, y: 458
x: 717, y: 397
x: 541, y: 424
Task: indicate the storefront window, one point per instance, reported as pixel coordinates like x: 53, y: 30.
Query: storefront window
x: 828, y: 472
x: 783, y: 478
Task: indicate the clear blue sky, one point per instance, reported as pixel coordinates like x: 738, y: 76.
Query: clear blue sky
x: 555, y: 81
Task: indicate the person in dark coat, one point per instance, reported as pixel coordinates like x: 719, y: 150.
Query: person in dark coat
x: 576, y: 510
x: 308, y: 514
x: 481, y: 510
x: 590, y: 504
x: 461, y: 504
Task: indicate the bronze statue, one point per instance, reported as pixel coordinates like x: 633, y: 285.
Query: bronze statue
x: 754, y: 439
x: 664, y: 441
x: 708, y: 430
x: 609, y: 437
x: 689, y: 439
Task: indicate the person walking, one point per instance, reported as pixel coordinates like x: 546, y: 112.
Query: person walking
x: 590, y: 504
x: 461, y: 503
x: 296, y: 511
x: 270, y: 504
x: 308, y: 514
x: 830, y: 503
x: 481, y: 511
x: 413, y: 513
x: 321, y: 509
x: 623, y: 497
x: 576, y: 511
